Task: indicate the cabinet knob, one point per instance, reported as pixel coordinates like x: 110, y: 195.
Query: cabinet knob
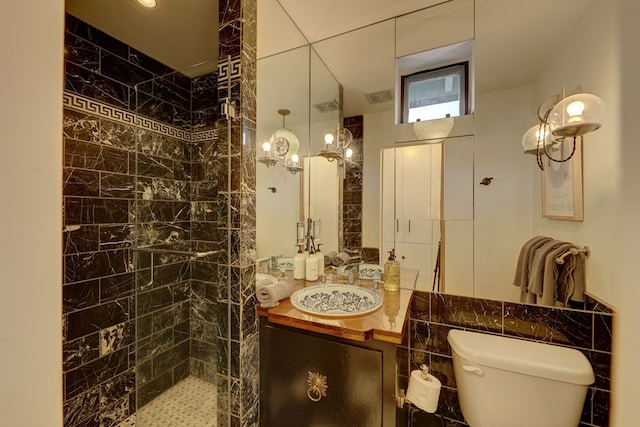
x: 317, y: 386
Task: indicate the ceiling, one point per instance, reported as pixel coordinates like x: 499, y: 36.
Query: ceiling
x: 512, y: 40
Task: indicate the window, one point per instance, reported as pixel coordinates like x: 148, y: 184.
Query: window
x: 435, y: 94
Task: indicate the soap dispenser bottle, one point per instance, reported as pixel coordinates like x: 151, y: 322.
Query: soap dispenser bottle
x: 299, y: 265
x: 392, y: 272
x: 311, y: 272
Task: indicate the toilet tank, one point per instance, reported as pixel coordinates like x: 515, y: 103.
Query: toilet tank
x: 504, y: 382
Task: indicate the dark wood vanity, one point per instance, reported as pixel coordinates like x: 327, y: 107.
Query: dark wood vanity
x: 322, y: 371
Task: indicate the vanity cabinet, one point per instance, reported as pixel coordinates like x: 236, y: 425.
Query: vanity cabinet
x: 307, y: 379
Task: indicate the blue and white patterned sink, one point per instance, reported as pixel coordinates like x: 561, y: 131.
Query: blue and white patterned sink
x: 365, y: 271
x: 336, y: 300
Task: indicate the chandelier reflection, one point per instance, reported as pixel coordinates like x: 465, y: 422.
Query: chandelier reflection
x: 282, y: 148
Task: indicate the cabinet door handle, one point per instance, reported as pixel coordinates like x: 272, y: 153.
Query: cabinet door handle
x: 409, y: 226
x: 397, y: 225
x: 317, y: 386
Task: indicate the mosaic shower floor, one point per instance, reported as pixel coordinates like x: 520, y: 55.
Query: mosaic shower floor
x: 190, y: 403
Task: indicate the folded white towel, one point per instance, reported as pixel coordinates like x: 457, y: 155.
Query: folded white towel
x: 270, y: 295
x: 341, y: 259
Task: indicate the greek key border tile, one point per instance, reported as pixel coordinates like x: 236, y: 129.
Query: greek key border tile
x: 106, y: 111
x: 229, y: 70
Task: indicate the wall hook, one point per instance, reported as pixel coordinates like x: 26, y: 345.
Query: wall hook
x: 486, y: 181
x: 273, y: 189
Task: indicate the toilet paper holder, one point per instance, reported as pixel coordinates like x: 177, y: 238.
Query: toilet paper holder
x: 401, y: 397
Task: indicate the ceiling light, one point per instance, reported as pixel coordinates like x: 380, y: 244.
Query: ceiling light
x: 149, y: 4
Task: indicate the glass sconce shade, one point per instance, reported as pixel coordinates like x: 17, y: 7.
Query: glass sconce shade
x: 284, y: 142
x: 576, y: 115
x: 536, y: 138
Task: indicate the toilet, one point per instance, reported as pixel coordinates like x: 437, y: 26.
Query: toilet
x: 506, y: 382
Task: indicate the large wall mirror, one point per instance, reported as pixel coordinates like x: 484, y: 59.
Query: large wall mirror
x: 482, y: 227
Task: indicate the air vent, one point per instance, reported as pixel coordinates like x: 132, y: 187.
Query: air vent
x: 325, y: 107
x: 378, y: 97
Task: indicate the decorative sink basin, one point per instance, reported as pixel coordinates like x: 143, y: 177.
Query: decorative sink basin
x: 365, y: 271
x: 336, y: 300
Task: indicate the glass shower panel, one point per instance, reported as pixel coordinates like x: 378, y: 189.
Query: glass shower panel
x: 177, y: 250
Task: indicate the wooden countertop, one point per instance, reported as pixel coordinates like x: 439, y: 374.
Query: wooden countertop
x: 384, y: 324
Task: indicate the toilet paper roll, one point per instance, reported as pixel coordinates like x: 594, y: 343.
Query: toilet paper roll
x: 424, y: 393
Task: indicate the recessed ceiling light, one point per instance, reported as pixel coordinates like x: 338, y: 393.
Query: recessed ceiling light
x: 148, y: 3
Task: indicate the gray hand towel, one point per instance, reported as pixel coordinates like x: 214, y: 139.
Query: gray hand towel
x: 536, y: 274
x: 341, y: 259
x: 521, y: 278
x: 553, y: 280
x: 271, y: 295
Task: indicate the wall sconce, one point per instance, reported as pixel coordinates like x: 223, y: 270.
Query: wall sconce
x: 337, y: 146
x: 282, y: 148
x: 562, y: 118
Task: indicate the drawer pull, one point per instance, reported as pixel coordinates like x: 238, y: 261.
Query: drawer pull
x: 317, y: 386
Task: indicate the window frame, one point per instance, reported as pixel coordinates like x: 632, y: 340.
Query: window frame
x: 461, y: 68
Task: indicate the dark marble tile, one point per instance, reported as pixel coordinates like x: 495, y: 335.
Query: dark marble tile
x: 592, y: 304
x: 97, y: 37
x: 419, y: 307
x: 473, y: 313
x: 165, y: 362
x: 235, y: 396
x: 448, y: 404
x: 153, y: 107
x: 442, y: 368
x: 117, y: 135
x: 162, y: 319
x: 80, y: 126
x: 168, y: 91
x: 568, y: 327
x: 152, y: 389
x: 587, y: 409
x: 235, y: 360
x: 116, y: 389
x: 82, y: 407
x: 78, y: 296
x: 234, y: 321
x: 601, y: 408
x: 417, y: 358
x: 602, y: 332
x: 155, y: 344
x: 80, y: 351
x: 94, y: 319
x: 82, y: 239
x: 81, y: 52
x: 118, y: 286
x: 92, y: 85
x: 154, y: 167
x: 117, y: 186
x: 601, y: 364
x: 122, y: 70
x: 223, y: 347
x: 85, y: 155
x: 91, y: 374
x: 116, y: 236
x: 93, y: 265
x: 84, y: 210
x: 148, y: 63
x: 153, y: 300
x: 117, y: 337
x: 80, y: 182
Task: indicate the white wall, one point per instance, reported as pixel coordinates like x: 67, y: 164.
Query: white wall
x: 30, y: 183
x: 503, y: 211
x: 590, y: 61
x: 378, y: 133
x: 626, y: 369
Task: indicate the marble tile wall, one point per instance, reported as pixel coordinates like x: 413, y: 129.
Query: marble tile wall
x: 352, y: 187
x: 588, y: 329
x: 136, y: 180
x: 238, y: 353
